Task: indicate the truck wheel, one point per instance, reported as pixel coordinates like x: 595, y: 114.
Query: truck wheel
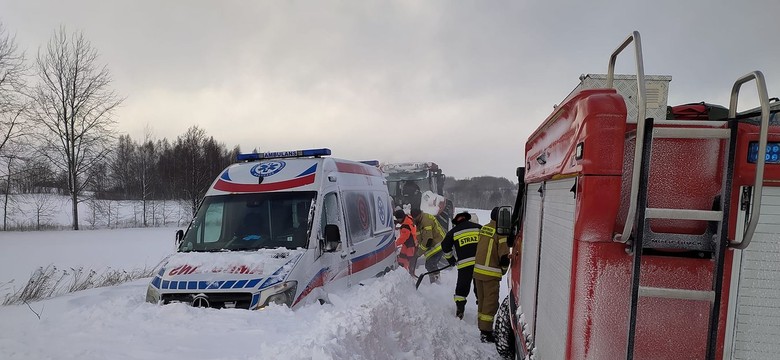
x: 502, y: 329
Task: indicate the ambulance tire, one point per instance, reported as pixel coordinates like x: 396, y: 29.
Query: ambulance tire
x: 384, y: 272
x: 502, y: 330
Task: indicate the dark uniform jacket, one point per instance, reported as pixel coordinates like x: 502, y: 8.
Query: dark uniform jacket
x: 462, y: 240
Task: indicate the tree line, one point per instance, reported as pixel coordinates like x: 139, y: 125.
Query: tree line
x: 57, y: 133
x: 481, y: 192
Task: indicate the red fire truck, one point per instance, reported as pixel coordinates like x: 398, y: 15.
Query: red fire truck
x: 645, y: 235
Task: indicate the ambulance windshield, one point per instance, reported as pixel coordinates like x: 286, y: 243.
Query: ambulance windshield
x: 251, y: 222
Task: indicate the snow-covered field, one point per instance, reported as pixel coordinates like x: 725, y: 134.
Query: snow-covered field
x: 385, y: 318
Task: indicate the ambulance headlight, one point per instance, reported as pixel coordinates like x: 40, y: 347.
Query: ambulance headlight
x: 152, y: 295
x: 283, y: 294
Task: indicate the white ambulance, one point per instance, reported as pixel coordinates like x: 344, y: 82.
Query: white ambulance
x: 281, y: 228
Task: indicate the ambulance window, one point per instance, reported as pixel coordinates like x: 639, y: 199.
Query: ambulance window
x: 383, y: 220
x: 212, y: 226
x: 331, y: 213
x: 358, y: 215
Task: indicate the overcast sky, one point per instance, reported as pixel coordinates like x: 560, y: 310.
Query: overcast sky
x: 459, y: 83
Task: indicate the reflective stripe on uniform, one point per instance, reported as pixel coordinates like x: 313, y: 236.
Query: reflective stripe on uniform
x: 486, y: 270
x: 502, y: 240
x: 439, y: 229
x: 466, y: 262
x: 448, y: 254
x: 485, y: 317
x: 466, y: 237
x: 459, y: 298
x: 433, y: 251
x: 490, y: 250
x: 487, y: 231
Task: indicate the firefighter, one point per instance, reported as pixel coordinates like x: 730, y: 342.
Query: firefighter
x: 492, y: 261
x: 462, y: 241
x: 407, y: 241
x: 429, y: 235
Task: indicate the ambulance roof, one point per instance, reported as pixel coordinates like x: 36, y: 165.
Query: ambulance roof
x: 296, y: 170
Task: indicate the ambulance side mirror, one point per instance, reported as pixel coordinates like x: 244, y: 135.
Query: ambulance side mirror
x: 179, y: 237
x: 504, y: 221
x: 332, y: 238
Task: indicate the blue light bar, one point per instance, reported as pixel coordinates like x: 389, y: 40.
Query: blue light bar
x: 371, y: 162
x: 772, y: 152
x: 283, y: 154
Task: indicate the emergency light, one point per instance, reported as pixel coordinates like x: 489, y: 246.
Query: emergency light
x: 371, y: 162
x: 772, y: 152
x: 283, y: 154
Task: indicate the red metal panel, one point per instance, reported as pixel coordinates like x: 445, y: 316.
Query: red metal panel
x: 595, y: 118
x: 601, y: 277
x: 598, y: 200
x: 666, y: 328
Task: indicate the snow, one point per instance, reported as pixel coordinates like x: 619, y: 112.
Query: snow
x: 385, y: 318
x: 23, y: 252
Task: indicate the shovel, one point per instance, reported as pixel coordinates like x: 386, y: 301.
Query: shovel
x: 420, y: 279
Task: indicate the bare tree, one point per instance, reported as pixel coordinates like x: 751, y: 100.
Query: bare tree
x: 11, y: 172
x: 12, y: 74
x: 146, y: 164
x: 44, y: 207
x: 73, y: 105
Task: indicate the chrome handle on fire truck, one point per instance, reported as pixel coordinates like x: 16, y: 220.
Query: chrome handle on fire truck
x: 755, y: 206
x: 640, y: 74
x: 640, y: 122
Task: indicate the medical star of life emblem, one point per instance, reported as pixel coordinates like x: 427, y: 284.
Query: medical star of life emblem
x: 267, y: 169
x: 380, y: 208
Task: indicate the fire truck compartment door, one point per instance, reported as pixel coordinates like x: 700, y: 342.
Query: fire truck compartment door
x: 753, y: 322
x: 554, y: 280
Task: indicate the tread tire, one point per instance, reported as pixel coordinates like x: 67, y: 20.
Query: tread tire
x: 502, y: 330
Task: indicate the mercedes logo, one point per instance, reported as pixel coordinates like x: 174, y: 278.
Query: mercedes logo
x: 201, y: 301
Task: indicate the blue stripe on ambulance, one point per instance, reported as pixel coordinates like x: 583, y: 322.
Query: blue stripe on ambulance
x: 225, y: 176
x: 308, y: 171
x: 387, y: 237
x: 255, y: 297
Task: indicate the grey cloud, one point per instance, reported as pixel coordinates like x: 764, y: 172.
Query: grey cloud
x: 459, y: 83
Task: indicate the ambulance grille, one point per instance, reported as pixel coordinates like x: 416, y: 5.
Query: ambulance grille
x: 212, y: 300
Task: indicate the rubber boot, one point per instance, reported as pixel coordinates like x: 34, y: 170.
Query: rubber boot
x: 460, y: 309
x: 487, y: 337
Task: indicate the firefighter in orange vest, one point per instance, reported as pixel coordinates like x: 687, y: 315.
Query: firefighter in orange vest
x: 429, y: 235
x: 407, y: 241
x: 462, y: 241
x: 492, y: 261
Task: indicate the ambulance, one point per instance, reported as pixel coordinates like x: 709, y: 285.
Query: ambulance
x: 284, y: 228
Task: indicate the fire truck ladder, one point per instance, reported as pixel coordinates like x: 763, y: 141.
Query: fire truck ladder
x: 715, y: 239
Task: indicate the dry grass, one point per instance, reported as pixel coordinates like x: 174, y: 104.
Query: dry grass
x: 49, y: 282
